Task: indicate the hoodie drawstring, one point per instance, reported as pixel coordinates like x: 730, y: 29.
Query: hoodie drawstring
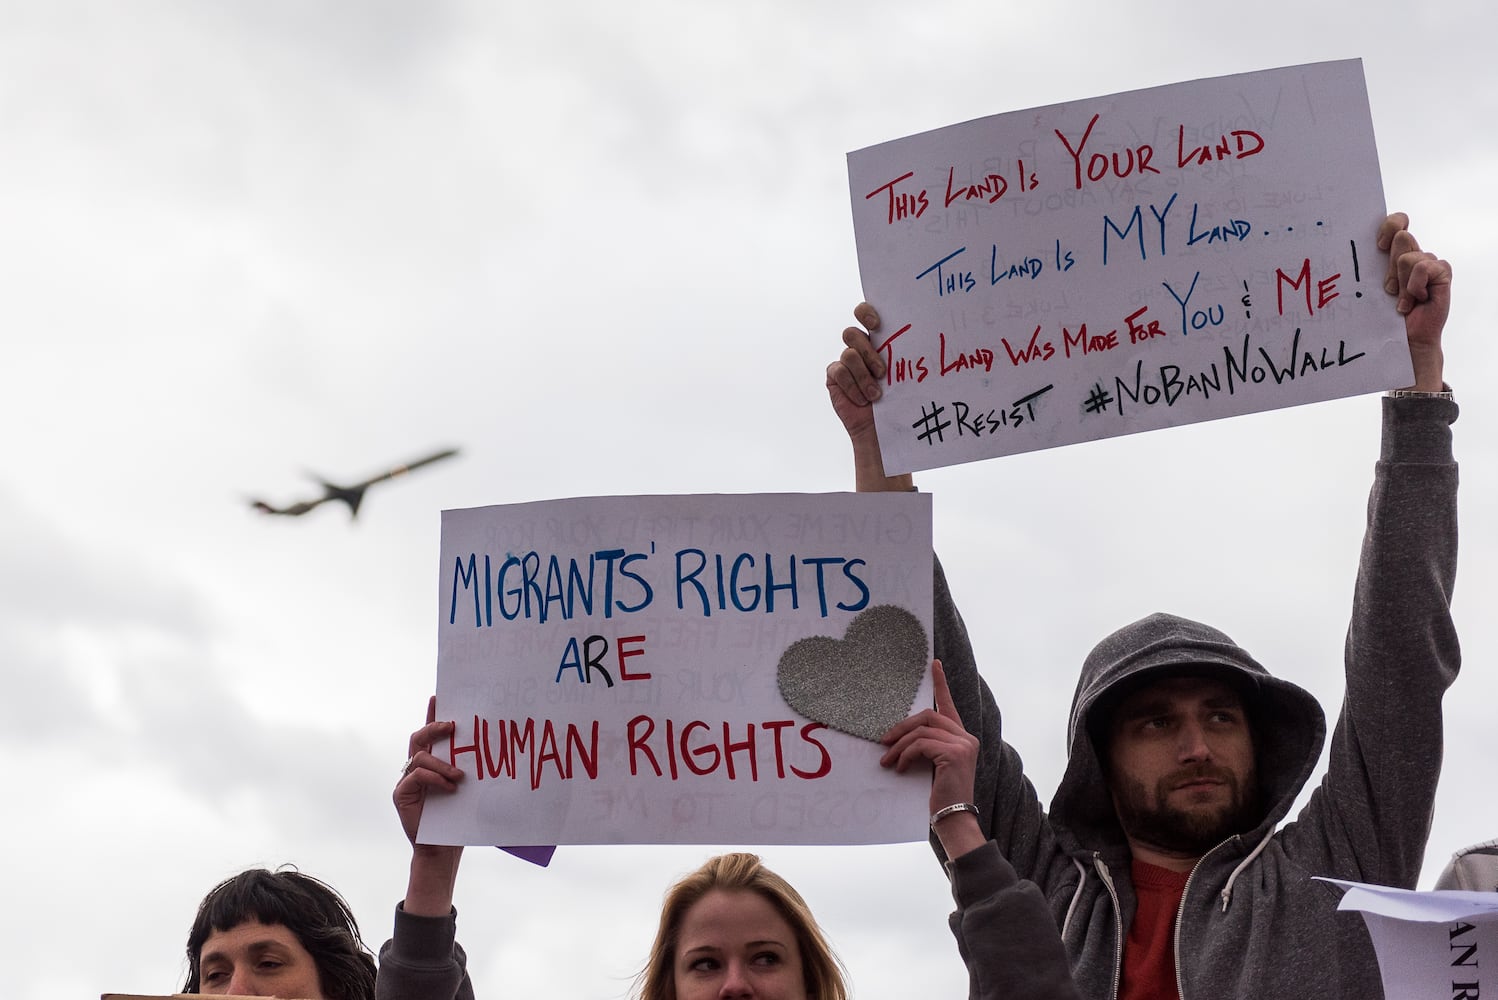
x: 1076, y: 897
x: 1227, y: 889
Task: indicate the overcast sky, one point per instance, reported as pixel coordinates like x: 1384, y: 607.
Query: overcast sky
x: 604, y: 248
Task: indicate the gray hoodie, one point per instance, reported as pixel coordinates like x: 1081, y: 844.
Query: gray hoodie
x: 1252, y: 923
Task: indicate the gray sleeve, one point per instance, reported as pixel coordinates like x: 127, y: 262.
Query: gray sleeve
x: 1371, y: 816
x: 423, y: 960
x: 1009, y: 811
x: 1005, y: 932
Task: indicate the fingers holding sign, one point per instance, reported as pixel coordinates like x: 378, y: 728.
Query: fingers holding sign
x: 1421, y: 284
x: 434, y: 868
x: 937, y: 735
x: 423, y: 772
x: 854, y: 379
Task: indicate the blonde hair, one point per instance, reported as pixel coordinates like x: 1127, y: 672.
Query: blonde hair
x: 825, y: 976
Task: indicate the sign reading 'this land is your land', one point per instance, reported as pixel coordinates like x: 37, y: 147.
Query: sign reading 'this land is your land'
x: 682, y: 669
x: 1100, y: 267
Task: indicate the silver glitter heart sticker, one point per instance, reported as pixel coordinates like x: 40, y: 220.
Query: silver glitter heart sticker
x: 862, y: 683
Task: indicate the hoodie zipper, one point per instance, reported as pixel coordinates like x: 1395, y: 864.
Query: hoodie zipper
x: 1176, y: 938
x: 1107, y: 877
x: 1181, y: 912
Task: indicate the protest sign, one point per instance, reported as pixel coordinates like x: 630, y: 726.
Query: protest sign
x: 682, y: 669
x: 1125, y: 263
x: 1429, y: 944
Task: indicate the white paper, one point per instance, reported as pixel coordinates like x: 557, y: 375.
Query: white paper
x: 696, y: 591
x: 1430, y: 944
x: 1126, y: 263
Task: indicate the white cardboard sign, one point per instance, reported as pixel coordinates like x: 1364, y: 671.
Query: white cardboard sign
x: 1130, y: 262
x: 623, y: 670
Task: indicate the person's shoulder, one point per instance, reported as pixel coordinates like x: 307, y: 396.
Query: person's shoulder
x: 1472, y: 868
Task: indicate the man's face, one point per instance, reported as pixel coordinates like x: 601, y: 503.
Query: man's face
x: 259, y: 960
x: 1181, y: 765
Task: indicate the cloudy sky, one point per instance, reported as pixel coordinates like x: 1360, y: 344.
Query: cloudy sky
x: 605, y: 249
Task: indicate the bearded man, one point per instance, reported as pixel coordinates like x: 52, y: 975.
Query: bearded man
x: 1161, y: 855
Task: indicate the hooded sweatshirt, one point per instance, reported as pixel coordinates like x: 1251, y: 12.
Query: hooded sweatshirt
x: 1252, y: 922
x: 423, y: 960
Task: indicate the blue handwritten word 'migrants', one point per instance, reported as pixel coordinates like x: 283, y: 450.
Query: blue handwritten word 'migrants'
x: 524, y: 592
x: 611, y: 582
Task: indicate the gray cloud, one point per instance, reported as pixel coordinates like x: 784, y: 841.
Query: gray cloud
x: 605, y: 249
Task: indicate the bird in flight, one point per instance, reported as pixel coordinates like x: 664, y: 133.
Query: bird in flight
x: 352, y: 495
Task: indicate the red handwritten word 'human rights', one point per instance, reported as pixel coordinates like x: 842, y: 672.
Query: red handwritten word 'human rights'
x: 540, y: 749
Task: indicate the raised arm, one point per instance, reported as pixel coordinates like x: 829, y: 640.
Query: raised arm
x: 1008, y: 810
x: 1370, y: 817
x: 423, y: 960
x: 434, y: 868
x: 1004, y: 929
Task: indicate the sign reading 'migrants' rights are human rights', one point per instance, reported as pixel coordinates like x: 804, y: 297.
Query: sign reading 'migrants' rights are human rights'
x: 682, y: 669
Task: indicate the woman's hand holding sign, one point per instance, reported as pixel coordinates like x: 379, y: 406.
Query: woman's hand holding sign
x: 434, y: 868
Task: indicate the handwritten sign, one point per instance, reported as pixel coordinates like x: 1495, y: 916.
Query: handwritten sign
x: 1153, y: 258
x: 1429, y: 944
x: 624, y: 669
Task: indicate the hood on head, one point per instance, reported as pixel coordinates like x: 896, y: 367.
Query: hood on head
x: 1288, y: 724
